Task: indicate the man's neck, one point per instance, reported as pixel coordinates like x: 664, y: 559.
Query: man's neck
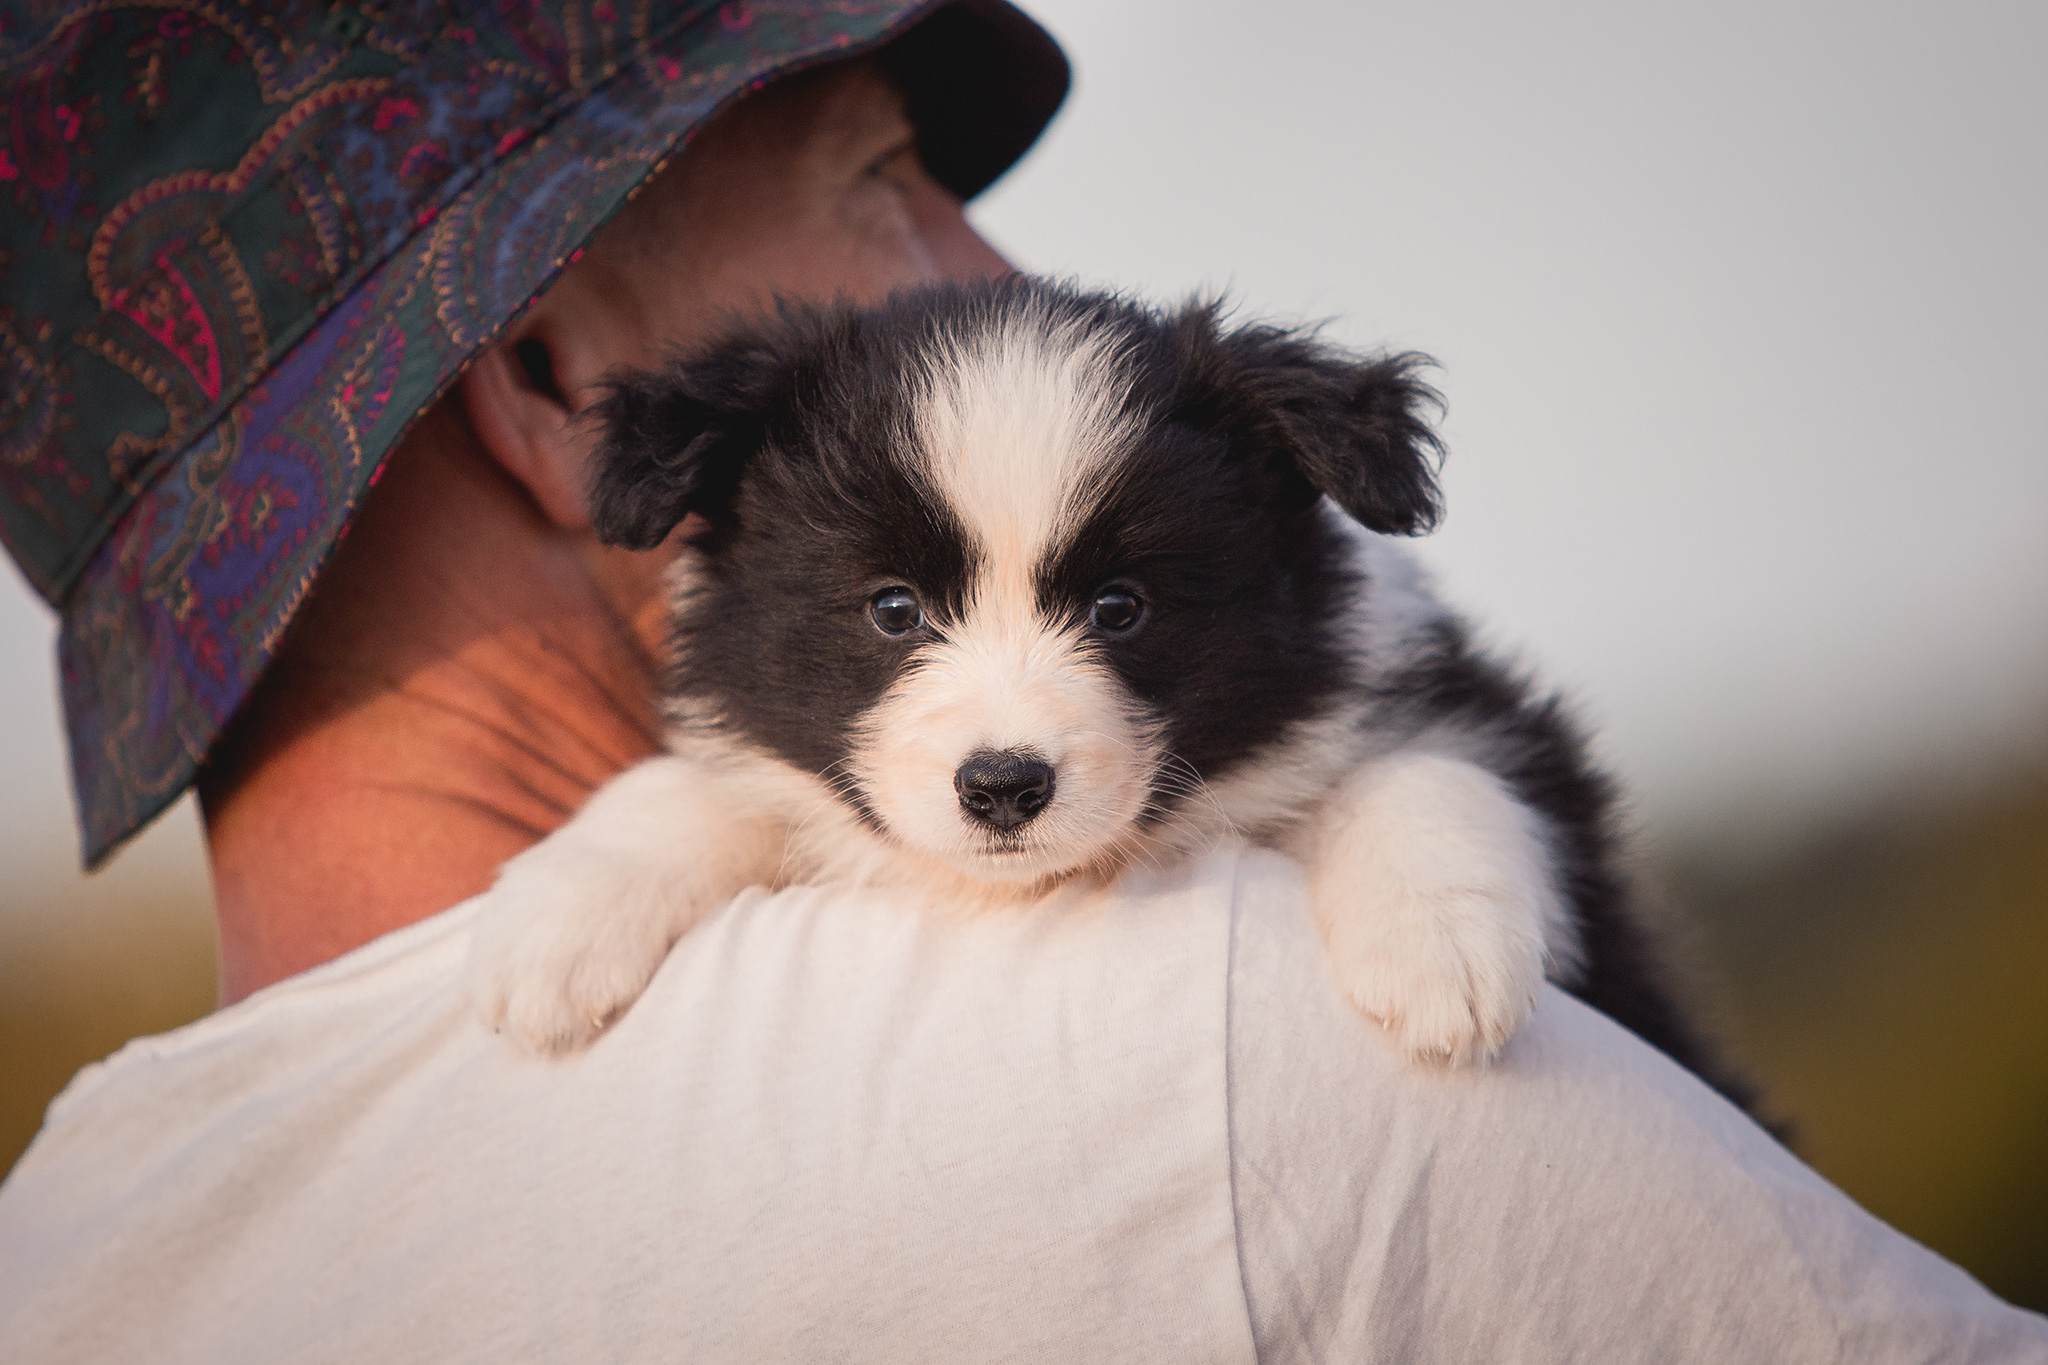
x: 444, y: 701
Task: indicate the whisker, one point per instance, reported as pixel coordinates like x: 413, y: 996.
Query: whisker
x: 792, y: 838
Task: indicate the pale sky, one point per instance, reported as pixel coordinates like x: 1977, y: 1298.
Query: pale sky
x: 1743, y: 312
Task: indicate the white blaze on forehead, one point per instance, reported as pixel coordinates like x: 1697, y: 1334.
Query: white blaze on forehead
x: 1014, y: 422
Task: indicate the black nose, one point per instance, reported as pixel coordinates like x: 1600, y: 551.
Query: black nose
x: 1003, y: 790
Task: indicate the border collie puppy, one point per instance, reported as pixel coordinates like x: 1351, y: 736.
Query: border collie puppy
x: 1006, y: 584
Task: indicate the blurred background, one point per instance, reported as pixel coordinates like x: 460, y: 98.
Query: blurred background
x: 1743, y: 318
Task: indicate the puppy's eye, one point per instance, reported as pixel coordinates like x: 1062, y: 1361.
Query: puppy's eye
x: 896, y: 611
x: 1116, y: 610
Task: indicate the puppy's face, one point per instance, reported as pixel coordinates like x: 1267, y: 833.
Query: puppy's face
x: 1012, y: 569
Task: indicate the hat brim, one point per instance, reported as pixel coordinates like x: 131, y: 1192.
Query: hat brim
x: 178, y: 612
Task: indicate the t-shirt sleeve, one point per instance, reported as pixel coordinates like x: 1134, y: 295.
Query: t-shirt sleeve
x: 1582, y: 1198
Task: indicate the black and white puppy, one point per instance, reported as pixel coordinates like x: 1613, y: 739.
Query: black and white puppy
x: 1007, y: 584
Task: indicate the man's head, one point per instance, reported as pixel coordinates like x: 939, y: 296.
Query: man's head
x: 228, y: 291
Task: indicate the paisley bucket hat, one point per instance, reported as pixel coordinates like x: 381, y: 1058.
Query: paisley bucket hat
x: 244, y: 245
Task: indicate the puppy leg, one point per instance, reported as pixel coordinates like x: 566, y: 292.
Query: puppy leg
x: 576, y: 926
x: 1433, y: 890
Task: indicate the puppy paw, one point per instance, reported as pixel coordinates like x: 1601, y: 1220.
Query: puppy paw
x: 1449, y: 973
x: 1434, y: 892
x: 564, y: 944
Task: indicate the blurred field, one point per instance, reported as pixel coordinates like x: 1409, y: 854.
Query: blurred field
x: 87, y: 965
x: 1885, y: 982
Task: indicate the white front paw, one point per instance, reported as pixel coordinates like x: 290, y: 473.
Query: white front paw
x: 1433, y: 891
x: 565, y: 943
x: 1450, y: 972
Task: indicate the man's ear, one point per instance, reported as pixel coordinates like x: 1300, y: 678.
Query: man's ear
x: 517, y: 406
x: 674, y: 443
x: 1357, y: 428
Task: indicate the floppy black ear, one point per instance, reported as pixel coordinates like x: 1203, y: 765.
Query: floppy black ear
x: 672, y: 445
x: 1357, y: 428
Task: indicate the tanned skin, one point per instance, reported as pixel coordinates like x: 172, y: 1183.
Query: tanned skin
x: 473, y: 663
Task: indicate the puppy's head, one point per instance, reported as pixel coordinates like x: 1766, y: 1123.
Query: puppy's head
x: 1014, y: 568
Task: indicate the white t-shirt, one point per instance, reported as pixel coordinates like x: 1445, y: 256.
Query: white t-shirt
x: 1129, y: 1126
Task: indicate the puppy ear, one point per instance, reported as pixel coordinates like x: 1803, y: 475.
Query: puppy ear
x: 1357, y: 428
x: 675, y: 440
x: 666, y: 452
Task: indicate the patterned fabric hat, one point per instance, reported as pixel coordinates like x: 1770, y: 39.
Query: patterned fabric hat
x: 244, y: 244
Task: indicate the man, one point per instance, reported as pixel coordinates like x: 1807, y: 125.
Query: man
x: 1140, y: 1126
